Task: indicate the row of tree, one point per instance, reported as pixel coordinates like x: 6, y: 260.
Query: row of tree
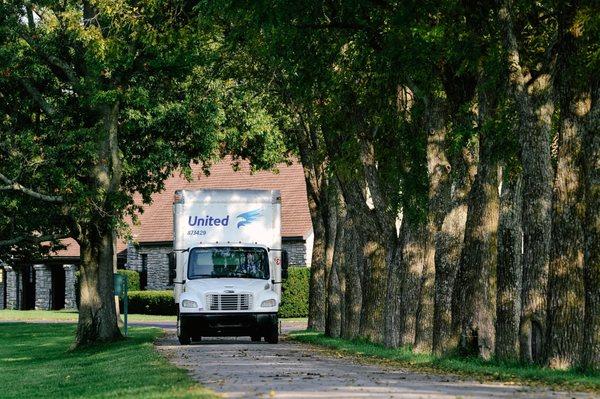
x: 451, y: 154
x: 450, y: 151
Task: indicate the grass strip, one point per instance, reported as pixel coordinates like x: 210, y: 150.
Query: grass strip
x: 472, y: 367
x: 36, y: 362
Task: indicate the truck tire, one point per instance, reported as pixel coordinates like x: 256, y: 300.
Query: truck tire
x: 182, y: 335
x: 272, y: 336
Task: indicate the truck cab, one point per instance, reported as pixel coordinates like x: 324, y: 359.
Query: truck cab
x: 229, y: 263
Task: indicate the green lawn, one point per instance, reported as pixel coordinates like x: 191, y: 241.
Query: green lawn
x: 35, y: 361
x: 68, y: 315
x: 489, y: 370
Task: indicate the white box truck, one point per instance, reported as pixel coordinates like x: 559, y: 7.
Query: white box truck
x: 229, y: 263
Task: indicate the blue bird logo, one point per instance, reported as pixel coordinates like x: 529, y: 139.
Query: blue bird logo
x: 248, y: 217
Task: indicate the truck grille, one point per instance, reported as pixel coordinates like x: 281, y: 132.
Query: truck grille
x: 229, y: 301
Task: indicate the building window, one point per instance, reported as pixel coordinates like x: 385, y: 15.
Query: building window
x: 144, y: 272
x: 172, y: 268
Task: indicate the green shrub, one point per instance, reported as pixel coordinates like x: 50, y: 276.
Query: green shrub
x: 133, y: 279
x: 294, y: 298
x: 151, y: 302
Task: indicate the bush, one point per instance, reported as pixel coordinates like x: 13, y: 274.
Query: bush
x: 151, y: 302
x: 294, y: 298
x: 133, y: 279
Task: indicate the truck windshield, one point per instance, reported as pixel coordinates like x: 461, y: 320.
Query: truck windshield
x: 228, y: 262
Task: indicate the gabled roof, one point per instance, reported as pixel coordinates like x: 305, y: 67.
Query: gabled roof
x: 156, y: 222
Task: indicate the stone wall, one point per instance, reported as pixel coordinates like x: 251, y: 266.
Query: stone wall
x: 43, y: 287
x: 70, y: 279
x: 12, y: 280
x: 157, y: 264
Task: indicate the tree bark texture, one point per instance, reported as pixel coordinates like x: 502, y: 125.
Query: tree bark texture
x: 411, y: 263
x: 353, y: 268
x: 565, y: 283
x: 335, y: 278
x: 424, y: 314
x: 449, y: 242
x: 534, y: 106
x: 474, y: 307
x: 566, y: 291
x: 97, y: 312
x: 510, y: 272
x: 320, y: 204
x: 591, y: 268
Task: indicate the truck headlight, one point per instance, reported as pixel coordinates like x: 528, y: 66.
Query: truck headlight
x: 269, y: 303
x: 186, y: 303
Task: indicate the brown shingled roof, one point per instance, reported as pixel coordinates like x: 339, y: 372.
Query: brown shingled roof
x: 156, y: 223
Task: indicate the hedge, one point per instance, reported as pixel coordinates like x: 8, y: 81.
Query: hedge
x: 151, y: 302
x: 133, y: 279
x: 294, y: 299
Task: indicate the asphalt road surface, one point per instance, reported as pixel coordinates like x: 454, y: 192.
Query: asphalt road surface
x: 239, y: 368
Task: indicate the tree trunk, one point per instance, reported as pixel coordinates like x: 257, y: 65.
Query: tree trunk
x: 373, y: 252
x: 97, y: 310
x: 448, y: 242
x: 537, y: 223
x: 335, y: 295
x: 565, y: 281
x: 424, y: 314
x: 509, y: 274
x: 97, y: 317
x: 318, y: 204
x: 534, y: 110
x: 566, y: 290
x: 474, y: 307
x: 411, y: 261
x: 438, y: 173
x: 353, y: 267
x: 591, y: 268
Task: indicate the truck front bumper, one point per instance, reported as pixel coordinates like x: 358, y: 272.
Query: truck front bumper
x: 227, y: 324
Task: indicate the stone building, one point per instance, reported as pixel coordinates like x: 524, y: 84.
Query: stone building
x: 50, y: 284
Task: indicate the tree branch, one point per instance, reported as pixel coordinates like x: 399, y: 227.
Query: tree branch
x: 14, y: 186
x: 37, y: 96
x: 20, y: 239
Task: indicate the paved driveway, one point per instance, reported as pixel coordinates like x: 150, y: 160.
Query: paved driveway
x: 239, y: 368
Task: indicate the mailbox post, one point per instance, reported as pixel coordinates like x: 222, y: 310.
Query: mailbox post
x: 120, y: 288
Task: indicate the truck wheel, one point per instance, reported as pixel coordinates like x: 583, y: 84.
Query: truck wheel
x: 273, y: 336
x: 255, y: 338
x: 182, y: 335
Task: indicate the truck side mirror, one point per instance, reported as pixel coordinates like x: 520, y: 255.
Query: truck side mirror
x: 285, y: 264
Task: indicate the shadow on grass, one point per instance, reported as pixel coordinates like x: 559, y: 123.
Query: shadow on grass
x: 36, y: 361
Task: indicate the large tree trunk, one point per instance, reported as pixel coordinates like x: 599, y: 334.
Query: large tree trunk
x: 319, y: 207
x: 565, y: 282
x: 591, y: 268
x: 449, y: 242
x: 537, y: 223
x: 335, y: 294
x: 475, y: 300
x: 424, y: 314
x: 373, y: 252
x: 534, y: 111
x: 97, y: 310
x: 509, y: 274
x: 97, y: 316
x: 411, y: 261
x: 353, y: 268
x: 566, y: 291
